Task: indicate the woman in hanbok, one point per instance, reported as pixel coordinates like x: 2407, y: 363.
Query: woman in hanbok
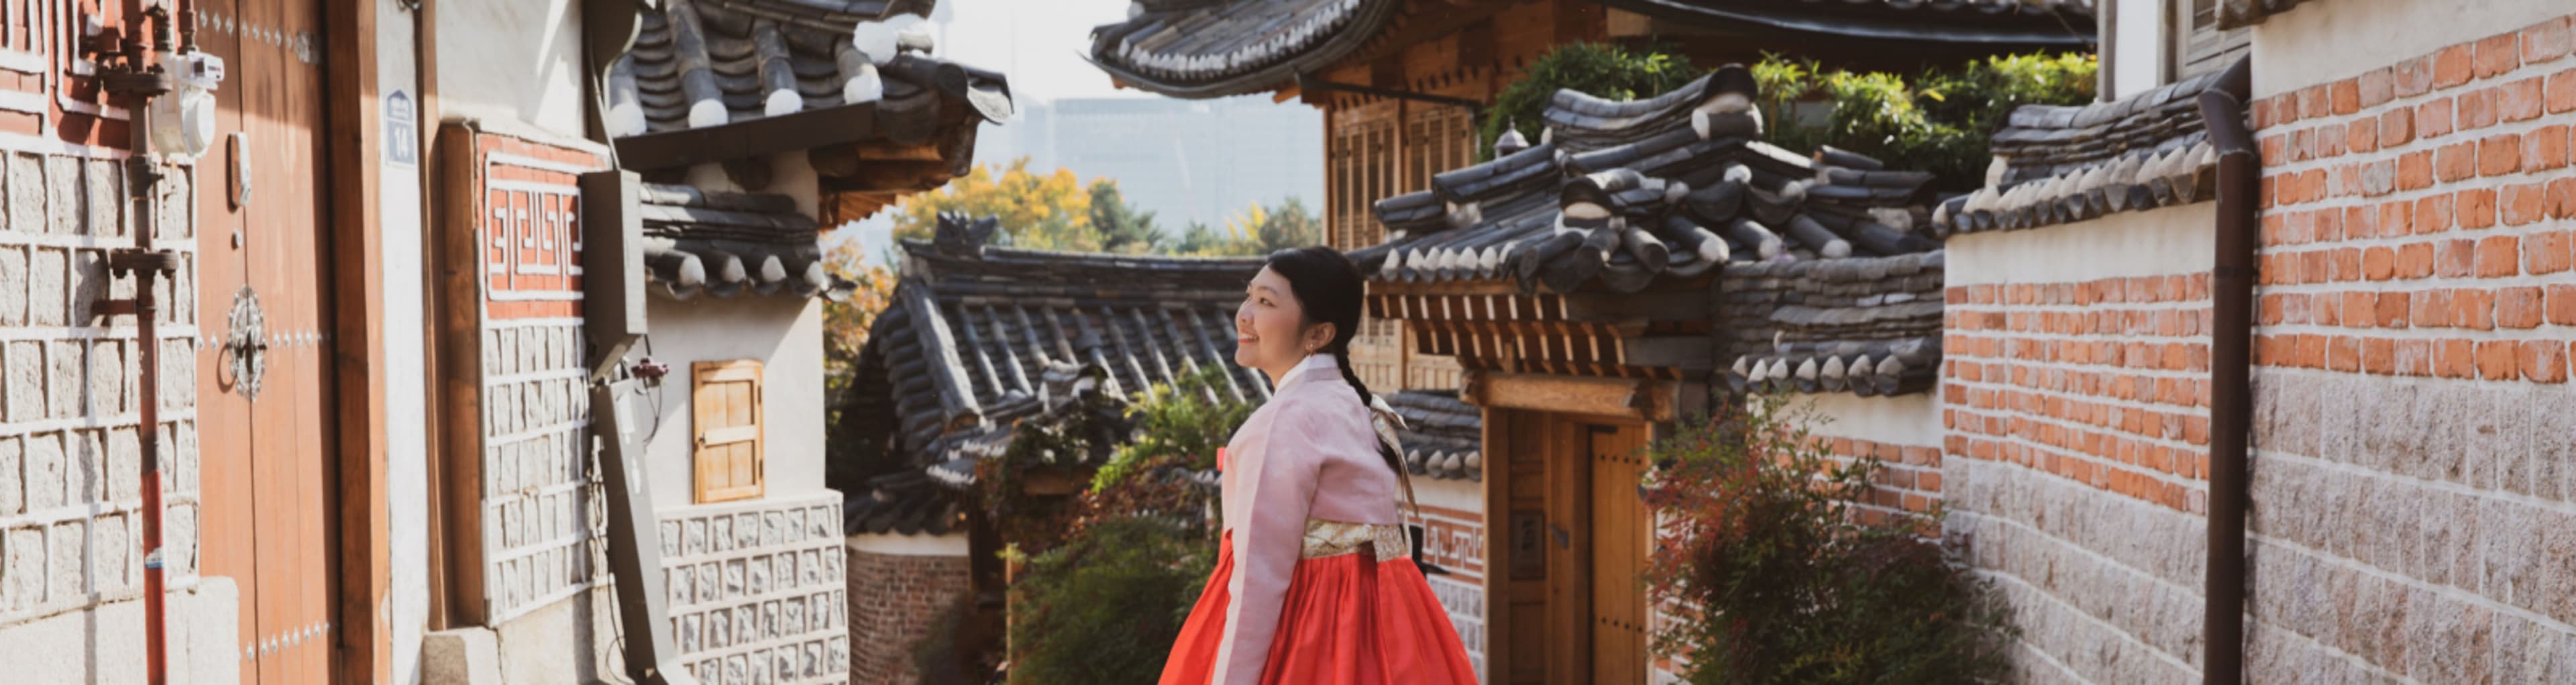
x: 1315, y: 581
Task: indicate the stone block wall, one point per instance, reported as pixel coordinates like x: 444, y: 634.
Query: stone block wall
x: 2074, y: 437
x: 899, y: 588
x: 757, y: 593
x: 2412, y: 516
x: 70, y: 457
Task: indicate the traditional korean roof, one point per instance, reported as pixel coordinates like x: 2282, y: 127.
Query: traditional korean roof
x: 1442, y: 437
x: 725, y: 244
x: 2008, y: 22
x: 1214, y: 48
x: 700, y: 63
x: 1626, y: 192
x: 826, y: 73
x: 2059, y: 164
x: 1868, y: 326
x: 1070, y: 397
x: 976, y: 332
x: 2242, y: 13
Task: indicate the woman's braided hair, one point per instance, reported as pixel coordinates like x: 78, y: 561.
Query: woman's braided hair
x: 1330, y: 290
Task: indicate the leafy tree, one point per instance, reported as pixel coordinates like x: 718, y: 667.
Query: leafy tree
x: 1598, y: 69
x: 846, y: 323
x: 1781, y: 580
x: 1257, y: 231
x: 1040, y: 211
x: 1049, y: 211
x: 1122, y: 228
x: 1939, y: 121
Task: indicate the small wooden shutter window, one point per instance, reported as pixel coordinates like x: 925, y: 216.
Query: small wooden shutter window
x: 726, y: 397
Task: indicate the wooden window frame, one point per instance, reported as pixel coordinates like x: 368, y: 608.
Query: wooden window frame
x: 703, y: 438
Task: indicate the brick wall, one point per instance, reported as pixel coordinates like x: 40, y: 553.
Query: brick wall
x: 70, y: 460
x: 895, y: 601
x: 2411, y: 515
x: 2074, y: 406
x: 757, y: 593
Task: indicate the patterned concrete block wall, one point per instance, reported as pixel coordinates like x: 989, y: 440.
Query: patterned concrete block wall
x: 757, y: 593
x: 70, y: 460
x: 2412, y: 518
x: 896, y: 597
x: 2074, y: 414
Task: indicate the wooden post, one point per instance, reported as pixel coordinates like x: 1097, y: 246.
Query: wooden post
x: 355, y: 142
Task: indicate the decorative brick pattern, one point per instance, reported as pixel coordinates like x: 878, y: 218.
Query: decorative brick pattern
x: 544, y: 519
x: 71, y: 531
x: 895, y: 600
x: 757, y: 593
x: 1454, y: 541
x: 2104, y: 383
x: 2410, y: 477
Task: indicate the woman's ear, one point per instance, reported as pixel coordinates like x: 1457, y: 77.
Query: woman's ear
x: 1318, y: 336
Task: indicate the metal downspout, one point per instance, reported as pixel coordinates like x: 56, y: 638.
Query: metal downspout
x: 2222, y: 109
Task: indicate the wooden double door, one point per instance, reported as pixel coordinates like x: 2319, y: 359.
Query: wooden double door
x: 1579, y: 537
x: 267, y: 473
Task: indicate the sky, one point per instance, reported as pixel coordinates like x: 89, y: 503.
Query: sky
x: 1039, y: 43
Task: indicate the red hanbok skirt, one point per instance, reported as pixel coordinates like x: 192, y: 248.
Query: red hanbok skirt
x: 1348, y: 619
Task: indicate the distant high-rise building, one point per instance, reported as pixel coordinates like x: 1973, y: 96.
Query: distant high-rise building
x: 1184, y: 160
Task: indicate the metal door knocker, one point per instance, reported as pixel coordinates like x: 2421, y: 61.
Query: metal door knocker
x: 245, y: 344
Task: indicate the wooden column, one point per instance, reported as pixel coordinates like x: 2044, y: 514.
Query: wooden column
x: 355, y: 142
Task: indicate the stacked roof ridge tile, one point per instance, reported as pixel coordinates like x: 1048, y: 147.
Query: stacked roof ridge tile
x: 964, y: 350
x: 1626, y: 192
x: 1443, y: 437
x: 1211, y: 48
x: 718, y: 244
x: 2059, y: 164
x: 1867, y: 326
x: 701, y: 63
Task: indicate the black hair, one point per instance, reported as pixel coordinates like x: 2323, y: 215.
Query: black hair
x: 1330, y: 290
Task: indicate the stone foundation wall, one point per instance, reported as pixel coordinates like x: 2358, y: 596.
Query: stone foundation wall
x: 71, y: 548
x: 2412, y: 516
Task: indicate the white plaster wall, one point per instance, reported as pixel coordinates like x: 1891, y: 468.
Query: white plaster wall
x: 2328, y: 41
x: 512, y: 60
x: 2137, y: 65
x: 1911, y: 420
x: 2163, y: 242
x: 791, y: 174
x: 1461, y: 495
x: 404, y: 251
x: 952, y: 545
x: 786, y: 335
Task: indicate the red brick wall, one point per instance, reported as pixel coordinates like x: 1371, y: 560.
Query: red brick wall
x: 2103, y: 383
x: 1908, y: 482
x: 2411, y: 514
x: 894, y: 602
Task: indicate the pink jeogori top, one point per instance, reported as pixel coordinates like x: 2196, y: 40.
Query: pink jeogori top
x: 1310, y: 453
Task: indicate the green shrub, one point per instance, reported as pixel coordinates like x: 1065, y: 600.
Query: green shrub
x: 1783, y: 582
x: 1598, y: 69
x: 1185, y: 422
x: 1107, y: 606
x: 1938, y: 122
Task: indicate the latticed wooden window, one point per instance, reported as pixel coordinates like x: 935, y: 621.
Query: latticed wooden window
x: 726, y: 399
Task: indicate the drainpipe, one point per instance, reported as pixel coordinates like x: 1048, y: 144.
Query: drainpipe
x: 138, y: 77
x: 2222, y: 109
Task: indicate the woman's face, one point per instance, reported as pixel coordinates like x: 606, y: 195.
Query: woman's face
x: 1270, y: 330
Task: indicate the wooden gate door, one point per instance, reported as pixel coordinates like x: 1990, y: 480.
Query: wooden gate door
x: 1619, y: 545
x: 264, y: 436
